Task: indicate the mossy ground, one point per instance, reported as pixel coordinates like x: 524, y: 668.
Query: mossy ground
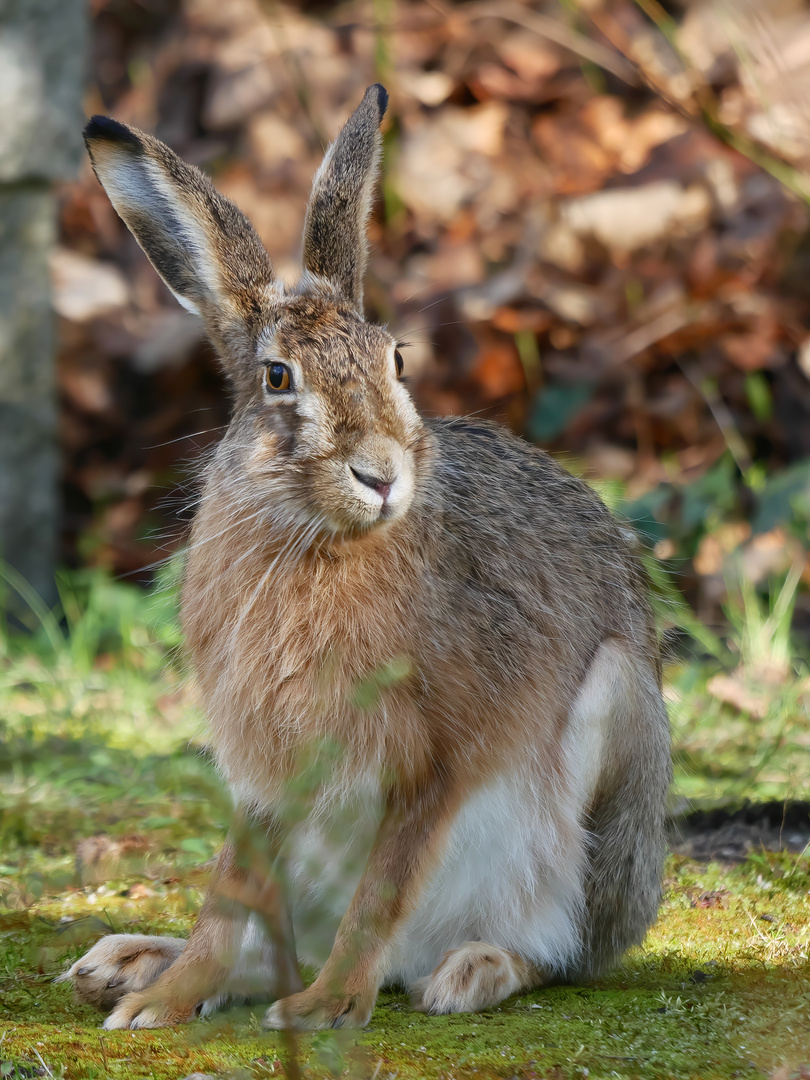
x: 96, y: 735
x: 721, y: 989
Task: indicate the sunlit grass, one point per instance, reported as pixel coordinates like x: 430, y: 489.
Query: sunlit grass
x: 741, y: 714
x: 100, y: 735
x: 720, y: 990
x: 98, y: 731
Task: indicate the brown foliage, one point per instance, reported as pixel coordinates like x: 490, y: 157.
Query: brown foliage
x: 566, y: 247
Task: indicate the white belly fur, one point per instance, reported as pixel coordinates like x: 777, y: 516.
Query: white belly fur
x: 511, y: 875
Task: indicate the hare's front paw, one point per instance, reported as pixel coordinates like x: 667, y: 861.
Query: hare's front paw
x: 144, y: 1010
x: 120, y: 964
x: 472, y: 977
x: 312, y: 1010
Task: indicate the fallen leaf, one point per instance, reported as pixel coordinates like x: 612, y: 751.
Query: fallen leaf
x: 625, y: 219
x: 85, y: 288
x: 731, y: 690
x: 718, y: 898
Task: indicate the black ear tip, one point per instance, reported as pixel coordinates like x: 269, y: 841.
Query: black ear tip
x: 106, y: 129
x: 380, y: 94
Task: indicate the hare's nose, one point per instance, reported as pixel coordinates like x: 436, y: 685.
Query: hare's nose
x: 382, y: 487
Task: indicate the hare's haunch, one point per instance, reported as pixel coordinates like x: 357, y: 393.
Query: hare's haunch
x: 426, y: 653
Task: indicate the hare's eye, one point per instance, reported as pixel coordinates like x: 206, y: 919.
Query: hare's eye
x: 277, y: 378
x: 399, y: 362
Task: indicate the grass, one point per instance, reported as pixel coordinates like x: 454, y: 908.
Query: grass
x: 99, y: 735
x: 98, y: 732
x: 722, y: 989
x: 741, y: 717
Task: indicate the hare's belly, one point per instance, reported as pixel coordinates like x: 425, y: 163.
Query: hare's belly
x: 511, y: 875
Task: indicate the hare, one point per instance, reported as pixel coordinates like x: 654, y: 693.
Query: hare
x: 446, y: 629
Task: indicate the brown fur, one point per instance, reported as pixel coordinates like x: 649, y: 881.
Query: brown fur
x: 335, y: 244
x: 473, y: 977
x: 440, y: 638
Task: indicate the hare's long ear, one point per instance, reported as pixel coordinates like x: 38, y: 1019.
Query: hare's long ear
x: 335, y: 243
x: 202, y: 246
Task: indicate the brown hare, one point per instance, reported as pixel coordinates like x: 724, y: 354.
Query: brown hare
x: 451, y: 627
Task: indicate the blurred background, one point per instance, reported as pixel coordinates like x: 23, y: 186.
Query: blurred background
x: 592, y: 225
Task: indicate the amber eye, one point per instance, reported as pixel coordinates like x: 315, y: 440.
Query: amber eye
x: 277, y: 378
x: 399, y: 362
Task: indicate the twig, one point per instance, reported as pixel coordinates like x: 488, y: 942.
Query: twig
x: 619, y: 1057
x: 756, y: 928
x: 262, y: 892
x: 560, y: 34
x: 701, y: 105
x: 109, y: 920
x: 275, y: 12
x: 735, y: 444
x: 647, y: 335
x: 44, y: 1066
x: 665, y: 23
x: 804, y: 851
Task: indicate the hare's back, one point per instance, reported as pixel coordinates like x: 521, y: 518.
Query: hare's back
x: 521, y: 532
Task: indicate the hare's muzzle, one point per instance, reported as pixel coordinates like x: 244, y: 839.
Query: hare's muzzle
x: 376, y: 483
x: 380, y: 478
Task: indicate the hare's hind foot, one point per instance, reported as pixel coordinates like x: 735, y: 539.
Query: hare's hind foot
x: 208, y: 973
x: 473, y: 977
x: 118, y: 965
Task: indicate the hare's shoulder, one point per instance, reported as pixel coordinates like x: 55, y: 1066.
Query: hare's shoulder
x: 482, y: 466
x: 523, y: 537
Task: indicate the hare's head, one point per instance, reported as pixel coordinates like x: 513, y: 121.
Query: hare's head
x: 322, y: 423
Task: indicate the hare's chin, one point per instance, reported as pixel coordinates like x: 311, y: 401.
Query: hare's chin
x: 354, y: 520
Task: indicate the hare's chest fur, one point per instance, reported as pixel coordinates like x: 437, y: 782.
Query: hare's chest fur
x: 301, y: 661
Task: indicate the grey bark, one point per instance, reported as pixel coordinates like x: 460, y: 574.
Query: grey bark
x: 42, y: 49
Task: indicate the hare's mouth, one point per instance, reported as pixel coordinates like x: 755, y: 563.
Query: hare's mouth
x: 384, y: 494
x: 358, y: 500
x: 379, y: 485
x: 357, y: 496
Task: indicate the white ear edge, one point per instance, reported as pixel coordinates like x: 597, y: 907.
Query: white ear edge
x: 327, y: 159
x: 185, y: 302
x: 139, y: 186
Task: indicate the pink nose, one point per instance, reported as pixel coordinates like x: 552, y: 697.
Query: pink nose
x: 382, y: 487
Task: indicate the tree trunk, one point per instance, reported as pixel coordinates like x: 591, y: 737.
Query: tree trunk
x: 42, y: 51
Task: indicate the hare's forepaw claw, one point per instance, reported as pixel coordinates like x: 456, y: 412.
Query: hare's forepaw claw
x: 313, y: 1011
x: 143, y: 1011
